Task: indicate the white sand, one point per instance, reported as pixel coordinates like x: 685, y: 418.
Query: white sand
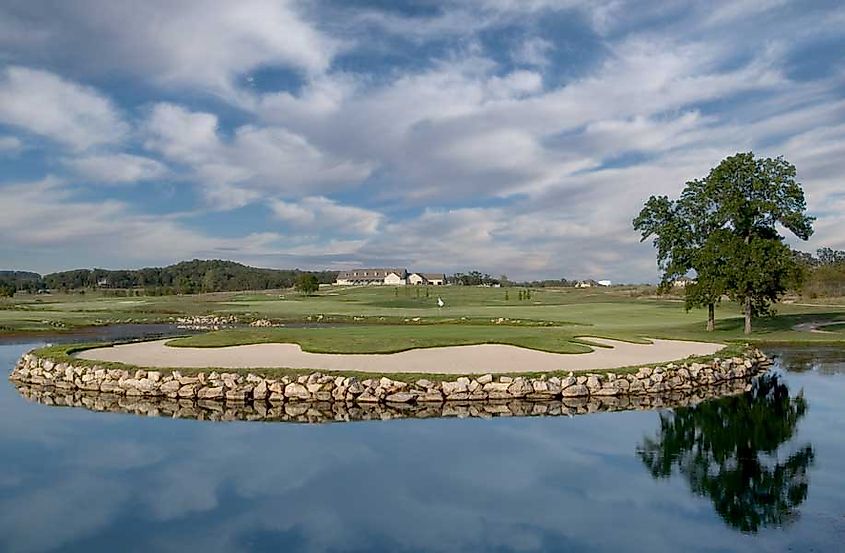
x: 453, y: 359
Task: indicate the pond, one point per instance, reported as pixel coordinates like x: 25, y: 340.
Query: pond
x: 761, y: 471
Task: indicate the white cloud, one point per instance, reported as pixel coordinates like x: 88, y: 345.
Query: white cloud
x: 206, y: 45
x: 320, y: 214
x: 255, y: 160
x: 10, y: 145
x: 48, y: 105
x: 85, y: 231
x: 506, y: 168
x: 115, y: 168
x: 533, y: 51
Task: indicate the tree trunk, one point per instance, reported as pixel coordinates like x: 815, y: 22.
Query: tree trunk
x: 711, y: 317
x: 748, y: 315
x: 748, y: 298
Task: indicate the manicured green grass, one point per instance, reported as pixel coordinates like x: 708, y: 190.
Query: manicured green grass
x: 390, y: 339
x: 470, y: 315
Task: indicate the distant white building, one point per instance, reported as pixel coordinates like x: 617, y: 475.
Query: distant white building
x: 388, y: 277
x: 355, y: 277
x: 605, y: 283
x: 433, y: 279
x: 683, y: 282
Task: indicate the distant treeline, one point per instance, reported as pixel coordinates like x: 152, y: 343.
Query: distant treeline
x: 551, y: 283
x: 477, y: 278
x: 825, y: 273
x: 188, y: 277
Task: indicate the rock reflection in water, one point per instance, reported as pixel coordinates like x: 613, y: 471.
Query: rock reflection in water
x: 727, y: 450
x: 317, y: 412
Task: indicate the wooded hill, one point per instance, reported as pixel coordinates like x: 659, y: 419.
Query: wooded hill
x: 187, y: 277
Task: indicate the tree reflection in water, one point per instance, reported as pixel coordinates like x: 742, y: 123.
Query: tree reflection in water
x: 727, y: 450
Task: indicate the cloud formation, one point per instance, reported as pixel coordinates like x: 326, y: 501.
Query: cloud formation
x: 511, y: 137
x: 47, y: 105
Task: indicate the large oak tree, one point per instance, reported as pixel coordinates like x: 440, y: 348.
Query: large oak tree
x: 725, y: 228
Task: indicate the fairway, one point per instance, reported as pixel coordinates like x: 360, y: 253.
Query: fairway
x: 387, y: 319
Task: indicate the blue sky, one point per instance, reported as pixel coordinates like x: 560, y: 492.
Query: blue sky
x: 515, y: 137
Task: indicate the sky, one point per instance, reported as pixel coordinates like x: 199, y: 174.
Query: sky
x: 515, y: 137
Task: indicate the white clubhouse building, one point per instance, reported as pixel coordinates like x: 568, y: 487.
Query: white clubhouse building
x: 388, y: 277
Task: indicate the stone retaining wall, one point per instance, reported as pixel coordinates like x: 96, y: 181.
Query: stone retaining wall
x: 245, y: 387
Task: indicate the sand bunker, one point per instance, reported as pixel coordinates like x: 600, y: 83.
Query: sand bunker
x: 483, y: 358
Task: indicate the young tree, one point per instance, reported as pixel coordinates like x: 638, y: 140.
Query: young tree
x: 307, y: 284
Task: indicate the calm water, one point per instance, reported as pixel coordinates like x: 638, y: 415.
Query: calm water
x: 759, y: 472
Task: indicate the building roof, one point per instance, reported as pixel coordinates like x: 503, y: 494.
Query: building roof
x: 434, y: 276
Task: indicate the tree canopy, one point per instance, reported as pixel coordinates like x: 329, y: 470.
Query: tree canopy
x: 725, y: 228
x: 187, y: 277
x: 307, y: 283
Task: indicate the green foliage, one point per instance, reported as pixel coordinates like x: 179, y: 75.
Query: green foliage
x: 726, y: 450
x: 723, y: 227
x: 824, y: 273
x: 188, y: 277
x: 473, y: 278
x: 24, y: 281
x: 307, y: 283
x: 7, y: 289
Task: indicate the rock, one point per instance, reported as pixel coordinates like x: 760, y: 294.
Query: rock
x: 110, y: 386
x: 366, y: 397
x: 217, y: 392
x: 295, y: 390
x: 401, y: 397
x: 431, y: 396
x: 189, y: 391
x: 453, y: 388
x: 260, y: 391
x: 497, y: 390
x: 576, y: 390
x: 520, y: 387
x: 170, y: 387
x: 239, y: 394
x: 485, y: 379
x: 355, y: 387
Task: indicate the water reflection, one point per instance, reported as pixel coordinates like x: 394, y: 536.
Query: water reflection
x: 338, y: 411
x: 826, y: 359
x: 728, y: 451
